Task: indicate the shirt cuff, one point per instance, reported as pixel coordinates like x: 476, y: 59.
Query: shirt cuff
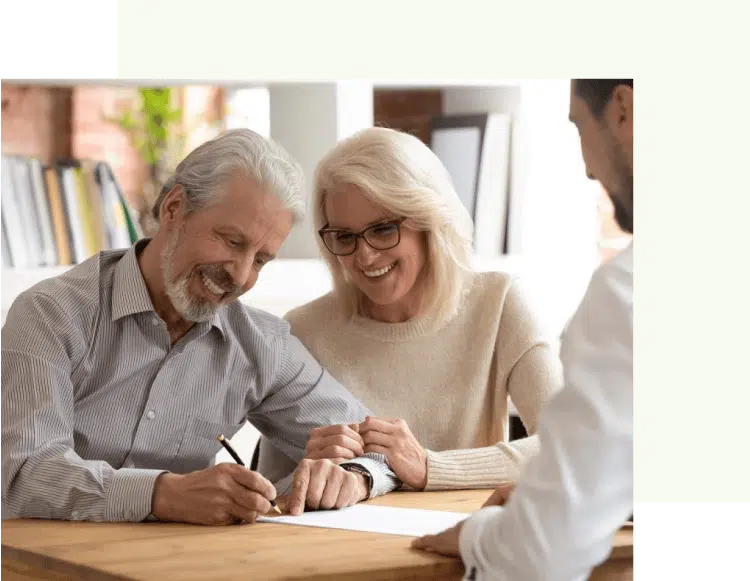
x: 469, y: 540
x: 383, y: 478
x: 130, y: 493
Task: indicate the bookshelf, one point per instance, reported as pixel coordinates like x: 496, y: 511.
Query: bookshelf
x: 60, y: 214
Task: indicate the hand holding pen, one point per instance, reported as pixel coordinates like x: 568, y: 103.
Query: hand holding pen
x: 236, y: 458
x: 220, y: 495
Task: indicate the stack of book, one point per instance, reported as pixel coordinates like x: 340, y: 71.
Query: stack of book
x: 63, y: 213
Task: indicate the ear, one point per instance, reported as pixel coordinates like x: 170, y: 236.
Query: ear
x: 621, y: 112
x: 173, y: 209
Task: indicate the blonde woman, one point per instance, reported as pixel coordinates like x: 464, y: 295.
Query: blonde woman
x: 434, y: 349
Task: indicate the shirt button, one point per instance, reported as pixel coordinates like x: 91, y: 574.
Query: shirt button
x: 151, y: 414
x: 75, y: 515
x: 154, y: 321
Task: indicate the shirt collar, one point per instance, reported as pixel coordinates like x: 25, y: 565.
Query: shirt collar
x: 129, y: 293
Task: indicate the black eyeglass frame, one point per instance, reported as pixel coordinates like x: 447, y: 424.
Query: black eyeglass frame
x: 357, y: 235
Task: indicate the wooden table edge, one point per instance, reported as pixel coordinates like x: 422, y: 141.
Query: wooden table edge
x: 56, y: 565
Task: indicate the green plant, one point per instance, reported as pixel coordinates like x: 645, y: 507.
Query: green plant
x: 154, y: 128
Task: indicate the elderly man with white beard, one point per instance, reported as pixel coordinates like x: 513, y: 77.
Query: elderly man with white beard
x: 119, y: 374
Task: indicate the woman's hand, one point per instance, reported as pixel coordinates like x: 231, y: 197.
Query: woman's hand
x: 404, y: 453
x: 501, y: 495
x: 336, y: 443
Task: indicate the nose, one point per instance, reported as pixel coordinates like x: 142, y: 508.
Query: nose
x: 365, y: 253
x: 241, y: 269
x: 589, y: 174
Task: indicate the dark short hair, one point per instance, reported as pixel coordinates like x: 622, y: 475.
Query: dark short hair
x: 597, y: 92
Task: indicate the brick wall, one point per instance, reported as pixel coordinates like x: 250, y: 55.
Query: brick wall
x: 36, y: 121
x: 59, y: 122
x: 93, y: 137
x: 407, y: 110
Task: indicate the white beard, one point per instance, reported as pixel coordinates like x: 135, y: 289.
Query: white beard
x: 192, y: 308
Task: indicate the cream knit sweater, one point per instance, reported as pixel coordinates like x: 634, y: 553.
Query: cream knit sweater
x: 451, y: 386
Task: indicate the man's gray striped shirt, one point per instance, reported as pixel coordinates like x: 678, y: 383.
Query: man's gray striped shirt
x: 96, y: 402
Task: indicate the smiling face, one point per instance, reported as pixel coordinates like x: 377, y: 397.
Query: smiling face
x: 390, y: 280
x: 214, y: 255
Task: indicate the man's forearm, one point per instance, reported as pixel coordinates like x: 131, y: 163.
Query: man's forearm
x: 55, y: 483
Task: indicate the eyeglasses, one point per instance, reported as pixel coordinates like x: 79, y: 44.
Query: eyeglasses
x: 380, y: 236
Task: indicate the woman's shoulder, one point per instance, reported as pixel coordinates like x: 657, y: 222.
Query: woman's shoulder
x: 489, y: 288
x: 315, y: 314
x: 500, y: 295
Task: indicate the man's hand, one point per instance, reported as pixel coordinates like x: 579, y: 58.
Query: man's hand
x: 501, y: 495
x: 393, y: 439
x: 336, y: 443
x: 321, y: 484
x: 445, y: 543
x: 220, y: 495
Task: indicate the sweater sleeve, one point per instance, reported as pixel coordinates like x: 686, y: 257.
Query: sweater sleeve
x: 534, y: 374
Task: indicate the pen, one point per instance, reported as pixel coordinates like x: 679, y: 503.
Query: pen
x: 233, y: 454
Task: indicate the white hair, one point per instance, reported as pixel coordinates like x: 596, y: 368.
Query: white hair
x: 207, y: 168
x: 399, y: 173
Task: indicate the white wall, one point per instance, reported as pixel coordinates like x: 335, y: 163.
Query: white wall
x: 308, y: 119
x: 459, y: 100
x: 249, y: 107
x: 553, y: 217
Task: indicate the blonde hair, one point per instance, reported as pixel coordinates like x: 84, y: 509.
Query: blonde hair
x: 399, y: 173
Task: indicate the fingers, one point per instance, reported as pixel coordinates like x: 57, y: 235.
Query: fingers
x: 500, y: 496
x: 349, y: 492
x: 299, y: 488
x: 318, y: 478
x: 332, y: 485
x: 328, y: 486
x: 377, y: 449
x: 249, y: 499
x: 350, y: 431
x: 335, y: 454
x: 424, y: 543
x: 379, y: 438
x: 242, y: 514
x: 377, y: 425
x: 251, y: 480
x: 341, y: 441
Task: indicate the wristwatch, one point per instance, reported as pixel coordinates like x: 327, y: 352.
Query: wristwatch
x: 359, y: 469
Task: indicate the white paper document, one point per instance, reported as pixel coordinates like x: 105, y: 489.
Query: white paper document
x: 410, y: 522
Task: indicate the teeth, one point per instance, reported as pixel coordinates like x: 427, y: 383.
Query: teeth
x: 380, y: 272
x: 212, y: 286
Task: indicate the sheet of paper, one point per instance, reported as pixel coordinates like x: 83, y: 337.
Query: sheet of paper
x: 410, y: 522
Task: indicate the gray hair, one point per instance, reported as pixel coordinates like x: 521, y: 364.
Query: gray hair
x: 206, y: 169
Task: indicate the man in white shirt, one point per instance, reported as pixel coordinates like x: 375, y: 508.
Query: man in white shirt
x: 559, y: 522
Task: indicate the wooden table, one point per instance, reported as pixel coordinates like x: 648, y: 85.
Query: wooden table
x: 56, y: 550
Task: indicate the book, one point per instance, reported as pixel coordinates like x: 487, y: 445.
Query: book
x: 12, y: 219
x: 62, y: 213
x: 43, y: 211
